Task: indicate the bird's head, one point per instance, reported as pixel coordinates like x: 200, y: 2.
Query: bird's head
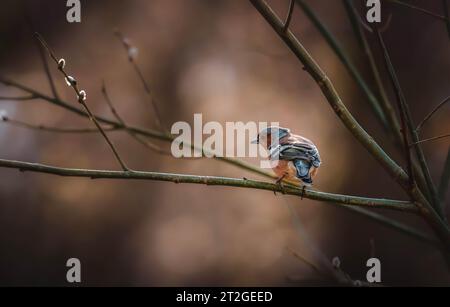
x: 272, y: 134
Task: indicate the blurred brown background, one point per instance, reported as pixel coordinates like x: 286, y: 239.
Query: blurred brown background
x: 221, y: 59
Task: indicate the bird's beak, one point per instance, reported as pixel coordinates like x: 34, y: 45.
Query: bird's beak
x: 255, y: 141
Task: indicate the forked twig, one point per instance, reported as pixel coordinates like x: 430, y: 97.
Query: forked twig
x: 289, y: 15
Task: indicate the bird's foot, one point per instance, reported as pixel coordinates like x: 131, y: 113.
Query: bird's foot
x: 280, y: 184
x: 303, y: 192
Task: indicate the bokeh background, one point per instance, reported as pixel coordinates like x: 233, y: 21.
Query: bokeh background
x: 221, y: 59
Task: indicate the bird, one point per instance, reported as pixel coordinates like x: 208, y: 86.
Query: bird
x: 293, y: 158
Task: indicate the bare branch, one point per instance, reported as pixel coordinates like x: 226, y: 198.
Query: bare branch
x: 23, y: 124
x: 289, y: 15
x: 419, y: 9
x: 306, y: 261
x: 131, y: 51
x: 385, y: 103
x: 47, y: 70
x: 19, y: 98
x: 446, y: 13
x: 137, y: 137
x: 381, y: 219
x: 431, y: 139
x: 422, y: 123
x: 397, y: 205
x: 401, y: 103
x: 81, y: 96
x: 407, y: 123
x: 344, y: 58
x: 445, y: 178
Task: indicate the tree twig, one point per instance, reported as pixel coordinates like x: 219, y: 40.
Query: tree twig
x: 445, y: 178
x: 409, y: 231
x: 23, y: 124
x: 289, y: 15
x: 19, y: 98
x: 137, y: 137
x: 447, y: 16
x: 343, y: 57
x: 131, y: 52
x: 409, y: 125
x: 401, y: 104
x: 81, y: 96
x: 429, y: 115
x: 431, y: 139
x: 385, y: 103
x: 397, y: 205
x: 47, y: 71
x: 419, y: 9
x: 306, y: 261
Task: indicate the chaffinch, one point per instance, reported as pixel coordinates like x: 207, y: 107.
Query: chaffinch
x: 293, y: 157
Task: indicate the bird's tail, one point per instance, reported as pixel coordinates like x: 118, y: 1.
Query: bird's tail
x: 303, y: 173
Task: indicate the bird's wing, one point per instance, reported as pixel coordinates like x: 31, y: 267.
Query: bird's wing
x: 297, y: 151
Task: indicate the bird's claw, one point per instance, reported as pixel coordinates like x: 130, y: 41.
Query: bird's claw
x: 303, y: 192
x: 280, y: 184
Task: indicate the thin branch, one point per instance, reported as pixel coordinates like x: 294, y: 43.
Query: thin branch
x: 131, y: 52
x: 401, y: 104
x: 23, y: 124
x: 384, y: 101
x: 397, y: 205
x: 81, y: 95
x: 445, y: 178
x: 447, y: 16
x: 47, y: 70
x: 408, y: 124
x: 419, y: 9
x: 344, y: 58
x: 431, y: 139
x: 390, y: 223
x: 306, y: 261
x: 422, y: 123
x: 289, y: 15
x: 330, y: 268
x: 43, y: 58
x: 137, y: 137
x: 361, y: 38
x: 19, y: 98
